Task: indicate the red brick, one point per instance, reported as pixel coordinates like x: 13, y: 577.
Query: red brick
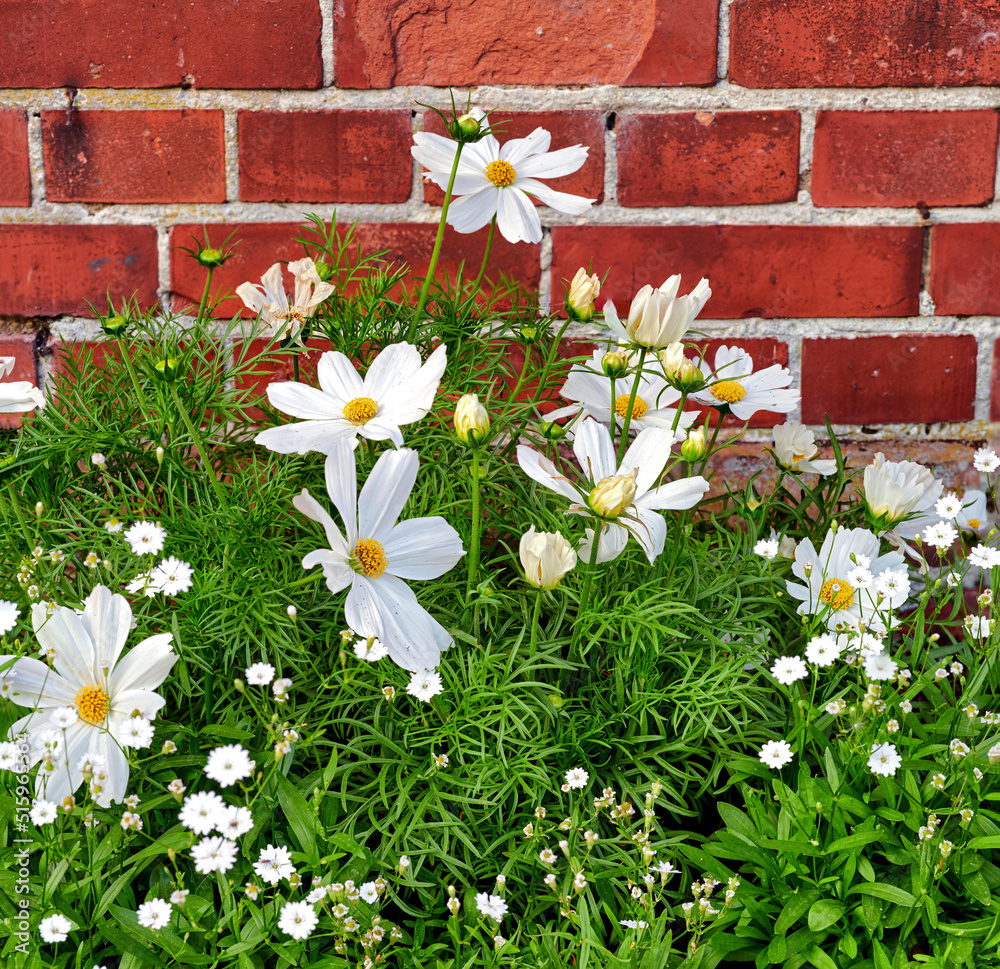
x: 904, y: 158
x: 566, y: 127
x: 965, y: 269
x: 889, y: 379
x: 161, y: 43
x: 754, y: 271
x: 50, y: 270
x: 134, y: 156
x: 765, y: 352
x: 864, y: 43
x: 20, y: 346
x: 277, y: 366
x: 995, y: 385
x: 700, y: 158
x: 325, y: 156
x: 260, y: 245
x: 15, y: 189
x: 391, y: 43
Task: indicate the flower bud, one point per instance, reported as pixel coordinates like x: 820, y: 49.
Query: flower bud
x: 682, y: 373
x: 583, y: 290
x: 615, y: 364
x: 528, y: 334
x: 546, y: 557
x: 324, y: 270
x: 612, y: 495
x: 114, y: 325
x: 468, y: 124
x: 159, y: 454
x: 210, y: 258
x: 472, y: 423
x: 292, y: 612
x: 694, y: 448
x: 552, y: 430
x: 39, y: 508
x: 167, y: 369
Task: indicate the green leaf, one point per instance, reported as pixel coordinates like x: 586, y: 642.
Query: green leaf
x: 299, y: 814
x: 871, y: 912
x: 777, y: 950
x: 824, y: 913
x: 794, y: 909
x: 737, y: 821
x: 881, y: 955
x: 985, y: 841
x: 891, y: 893
x: 819, y: 958
x: 853, y: 841
x: 832, y: 774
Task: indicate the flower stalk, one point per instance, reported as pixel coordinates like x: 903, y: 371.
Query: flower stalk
x: 206, y: 460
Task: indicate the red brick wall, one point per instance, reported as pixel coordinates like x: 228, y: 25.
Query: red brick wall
x: 830, y: 165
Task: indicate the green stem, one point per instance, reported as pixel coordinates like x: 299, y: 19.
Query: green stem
x: 203, y: 305
x: 206, y: 459
x: 711, y: 445
x: 588, y: 582
x: 534, y: 622
x: 127, y: 357
x: 437, y: 245
x: 614, y: 415
x: 486, y: 257
x: 631, y: 404
x: 295, y: 366
x: 476, y: 525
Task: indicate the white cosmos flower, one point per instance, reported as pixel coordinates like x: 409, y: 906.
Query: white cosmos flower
x: 895, y: 489
x: 497, y: 180
x: 590, y: 390
x: 610, y: 489
x: 91, y: 675
x: 268, y: 300
x: 733, y: 383
x: 397, y: 389
x: 378, y: 553
x: 545, y: 557
x: 972, y: 515
x: 795, y: 448
x: 825, y: 590
x: 17, y: 396
x: 658, y: 318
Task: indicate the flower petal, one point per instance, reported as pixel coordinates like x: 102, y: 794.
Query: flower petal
x: 337, y: 573
x: 539, y: 468
x: 338, y: 378
x: 144, y: 667
x: 108, y: 619
x: 38, y: 684
x: 650, y: 531
x: 411, y: 398
x: 675, y: 495
x: 594, y: 450
x: 385, y: 492
x: 301, y: 437
x: 471, y: 212
x: 516, y: 216
x: 649, y: 452
x: 65, y: 634
x: 311, y: 508
x: 518, y: 150
x: 341, y: 474
x: 612, y: 543
x: 553, y: 164
x: 392, y: 367
x: 422, y: 548
x: 560, y: 201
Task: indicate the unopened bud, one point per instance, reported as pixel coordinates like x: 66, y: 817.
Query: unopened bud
x: 583, y: 291
x: 114, y: 325
x: 694, y: 448
x: 239, y: 685
x: 39, y: 508
x: 681, y: 372
x: 159, y: 454
x: 472, y: 423
x: 615, y: 364
x: 167, y: 369
x: 210, y: 258
x: 292, y: 612
x: 552, y: 431
x: 324, y: 270
x: 612, y: 495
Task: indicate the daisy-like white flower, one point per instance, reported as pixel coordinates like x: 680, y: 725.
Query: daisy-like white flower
x: 633, y: 923
x: 55, y: 928
x: 146, y: 538
x: 260, y: 674
x: 795, y: 448
x: 297, y: 919
x: 370, y: 650
x: 268, y: 300
x: 733, y: 384
x: 63, y: 717
x: 825, y: 590
x: 17, y: 396
x: 425, y: 684
x: 202, y: 811
x: 234, y: 821
x: 8, y: 615
x: 491, y: 905
x: 213, y: 854
x: 154, y: 914
x: 767, y: 548
x: 625, y: 500
x: 43, y: 812
x: 884, y: 760
x: 378, y: 553
x: 949, y: 505
x: 590, y: 390
x: 229, y: 764
x: 823, y: 650
x: 172, y: 576
x: 136, y: 732
x: 941, y: 536
x: 397, y: 389
x: 93, y: 676
x: 789, y: 669
x: 497, y: 180
x: 984, y: 556
x: 986, y: 460
x: 369, y: 893
x: 775, y: 754
x: 658, y: 318
x: 179, y: 897
x: 894, y: 490
x: 10, y: 756
x: 576, y: 778
x: 880, y: 666
x: 274, y: 864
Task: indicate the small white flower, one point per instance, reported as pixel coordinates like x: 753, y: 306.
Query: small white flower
x: 55, y: 928
x: 984, y: 557
x: 956, y: 668
x: 172, y: 576
x: 633, y: 923
x: 370, y: 649
x: 63, y: 717
x: 492, y: 905
x: 424, y: 685
x: 260, y: 674
x: 577, y: 778
x: 8, y: 616
x: 298, y: 919
x: 214, y: 854
x: 979, y: 626
x: 146, y: 538
x: 949, y: 505
x: 881, y: 666
x: 42, y: 812
x: 179, y: 897
x: 789, y: 669
x: 274, y: 864
x: 369, y: 893
x: 958, y: 749
x: 280, y: 688
x: 135, y: 732
x: 775, y: 754
x: 767, y: 548
x: 547, y: 856
x: 938, y: 782
x: 860, y: 578
x: 892, y: 726
x: 234, y: 821
x: 823, y: 650
x: 201, y: 812
x: 154, y: 914
x: 229, y: 764
x: 884, y: 760
x: 98, y: 460
x: 986, y: 460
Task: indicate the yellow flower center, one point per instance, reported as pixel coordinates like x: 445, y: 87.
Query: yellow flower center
x: 838, y: 593
x: 729, y: 391
x: 621, y: 406
x: 500, y: 173
x: 360, y: 410
x: 92, y: 704
x: 973, y: 523
x: 369, y: 558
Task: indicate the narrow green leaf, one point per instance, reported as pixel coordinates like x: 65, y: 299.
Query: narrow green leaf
x: 891, y: 893
x: 824, y: 913
x: 819, y: 958
x: 794, y: 909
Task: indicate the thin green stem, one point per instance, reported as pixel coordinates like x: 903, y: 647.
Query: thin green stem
x: 631, y: 404
x: 203, y: 305
x: 206, y: 458
x: 534, y: 622
x: 711, y: 445
x: 614, y: 415
x: 588, y: 581
x: 476, y: 526
x: 127, y: 357
x: 486, y: 257
x: 432, y: 266
x: 295, y: 366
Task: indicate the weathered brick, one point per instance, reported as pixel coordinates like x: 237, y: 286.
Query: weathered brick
x: 262, y: 244
x: 161, y: 43
x: 566, y: 127
x: 701, y: 158
x: 50, y: 270
x: 325, y: 156
x: 864, y: 43
x: 15, y: 189
x: 389, y: 43
x: 889, y: 379
x: 965, y: 268
x: 134, y: 156
x: 904, y: 158
x: 20, y: 346
x: 754, y: 271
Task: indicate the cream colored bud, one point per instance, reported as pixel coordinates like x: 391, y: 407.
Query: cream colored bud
x: 582, y: 292
x: 159, y: 455
x: 612, y: 495
x: 545, y: 557
x: 472, y: 423
x: 615, y: 364
x: 659, y: 317
x: 681, y: 372
x: 694, y: 448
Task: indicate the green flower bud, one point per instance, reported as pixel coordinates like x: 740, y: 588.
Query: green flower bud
x: 325, y: 271
x: 114, y: 325
x: 210, y: 258
x: 552, y: 431
x: 167, y: 369
x: 694, y: 448
x: 615, y: 364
